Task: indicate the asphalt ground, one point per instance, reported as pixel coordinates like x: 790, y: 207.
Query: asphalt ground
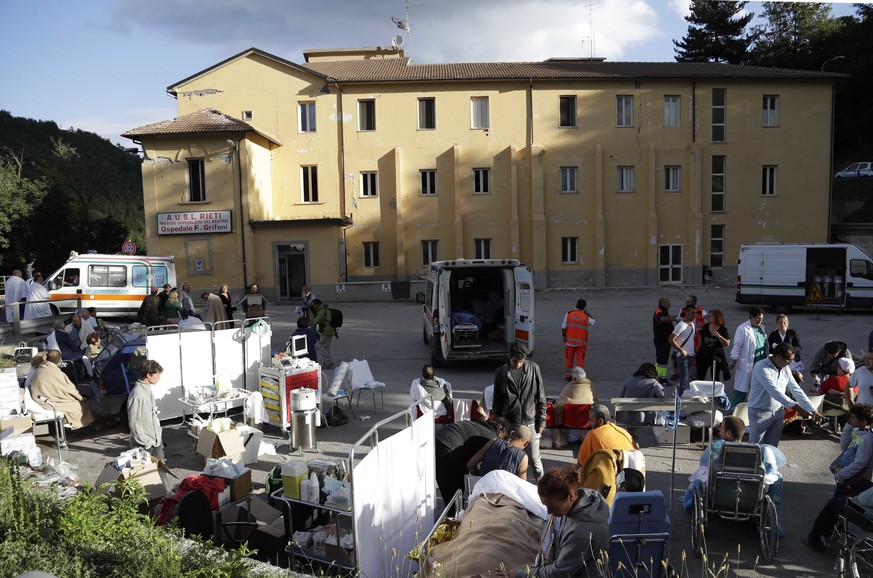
x: 389, y: 336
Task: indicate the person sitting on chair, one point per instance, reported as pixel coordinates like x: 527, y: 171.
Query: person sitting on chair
x: 436, y: 387
x: 853, y: 468
x: 731, y: 429
x: 501, y: 454
x: 604, y: 435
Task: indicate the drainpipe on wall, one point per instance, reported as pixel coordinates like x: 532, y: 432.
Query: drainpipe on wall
x: 342, y: 170
x: 831, y: 160
x: 242, y: 226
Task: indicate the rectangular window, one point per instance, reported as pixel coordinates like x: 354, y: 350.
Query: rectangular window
x: 568, y: 111
x: 428, y: 182
x: 483, y: 248
x: 768, y: 180
x: 569, y: 249
x: 624, y: 110
x: 670, y: 264
x: 718, y: 114
x: 367, y: 115
x: 672, y: 177
x: 568, y: 179
x: 718, y: 182
x: 371, y: 254
x: 196, y: 181
x: 479, y: 112
x: 481, y: 181
x: 625, y: 177
x: 307, y: 117
x: 716, y: 246
x: 107, y: 276
x: 429, y: 252
x: 771, y: 110
x: 309, y: 183
x: 671, y: 110
x: 368, y: 184
x: 148, y: 275
x: 426, y: 113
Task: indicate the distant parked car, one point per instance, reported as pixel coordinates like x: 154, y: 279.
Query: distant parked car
x: 855, y: 170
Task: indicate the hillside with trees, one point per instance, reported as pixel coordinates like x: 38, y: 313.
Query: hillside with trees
x: 64, y: 190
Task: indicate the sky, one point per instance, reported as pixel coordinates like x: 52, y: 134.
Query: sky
x: 104, y: 65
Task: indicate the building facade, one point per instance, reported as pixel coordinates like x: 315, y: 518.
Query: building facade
x: 359, y: 167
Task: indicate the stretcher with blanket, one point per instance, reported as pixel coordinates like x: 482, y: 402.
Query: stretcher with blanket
x: 502, y: 524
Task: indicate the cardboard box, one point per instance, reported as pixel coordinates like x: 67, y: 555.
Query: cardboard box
x: 148, y: 475
x: 19, y: 425
x: 227, y: 444
x: 269, y: 536
x: 239, y: 487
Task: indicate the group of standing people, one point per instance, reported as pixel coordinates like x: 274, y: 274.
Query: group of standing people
x: 31, y: 295
x: 175, y: 306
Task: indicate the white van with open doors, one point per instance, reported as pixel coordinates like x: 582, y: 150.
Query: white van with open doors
x: 476, y: 308
x: 114, y: 284
x: 785, y: 275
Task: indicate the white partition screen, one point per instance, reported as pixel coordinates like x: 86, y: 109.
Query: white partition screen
x: 164, y: 348
x: 258, y: 337
x: 393, y: 493
x: 229, y: 356
x: 196, y: 359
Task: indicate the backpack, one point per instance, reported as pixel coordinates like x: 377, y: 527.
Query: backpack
x: 336, y: 318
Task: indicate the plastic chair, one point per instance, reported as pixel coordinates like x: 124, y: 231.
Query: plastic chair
x: 834, y: 407
x: 742, y: 411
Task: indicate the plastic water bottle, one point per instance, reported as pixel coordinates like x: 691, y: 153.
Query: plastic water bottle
x: 314, y: 489
x: 305, y: 490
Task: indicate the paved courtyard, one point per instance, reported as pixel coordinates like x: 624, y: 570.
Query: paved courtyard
x: 388, y: 335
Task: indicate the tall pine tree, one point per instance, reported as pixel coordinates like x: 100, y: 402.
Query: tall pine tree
x: 716, y: 33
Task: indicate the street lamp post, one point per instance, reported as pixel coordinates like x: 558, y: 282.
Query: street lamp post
x: 830, y: 60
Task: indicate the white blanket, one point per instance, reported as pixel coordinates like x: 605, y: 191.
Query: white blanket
x: 511, y: 486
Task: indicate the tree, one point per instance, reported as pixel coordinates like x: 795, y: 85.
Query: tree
x: 716, y: 33
x: 18, y: 194
x: 793, y: 35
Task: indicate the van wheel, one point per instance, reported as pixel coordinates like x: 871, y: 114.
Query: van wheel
x: 54, y: 309
x: 436, y: 357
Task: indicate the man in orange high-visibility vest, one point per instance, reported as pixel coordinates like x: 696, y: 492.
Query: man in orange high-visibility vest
x: 575, y: 332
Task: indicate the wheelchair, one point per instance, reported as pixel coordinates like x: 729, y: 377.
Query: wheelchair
x: 736, y: 491
x: 853, y: 536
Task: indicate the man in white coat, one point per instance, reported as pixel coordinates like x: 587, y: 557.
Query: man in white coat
x: 38, y: 292
x: 749, y: 347
x: 16, y: 290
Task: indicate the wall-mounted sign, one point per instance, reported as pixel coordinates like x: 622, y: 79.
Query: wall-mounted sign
x: 195, y: 222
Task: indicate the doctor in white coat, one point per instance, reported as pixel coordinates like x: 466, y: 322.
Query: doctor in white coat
x: 749, y: 347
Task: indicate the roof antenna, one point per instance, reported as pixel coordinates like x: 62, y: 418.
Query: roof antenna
x: 590, y: 37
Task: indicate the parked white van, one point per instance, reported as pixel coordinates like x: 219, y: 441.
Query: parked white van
x: 114, y: 284
x: 476, y: 308
x: 786, y: 275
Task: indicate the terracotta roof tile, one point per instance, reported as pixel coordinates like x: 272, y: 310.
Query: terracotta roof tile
x: 200, y: 122
x: 398, y: 70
